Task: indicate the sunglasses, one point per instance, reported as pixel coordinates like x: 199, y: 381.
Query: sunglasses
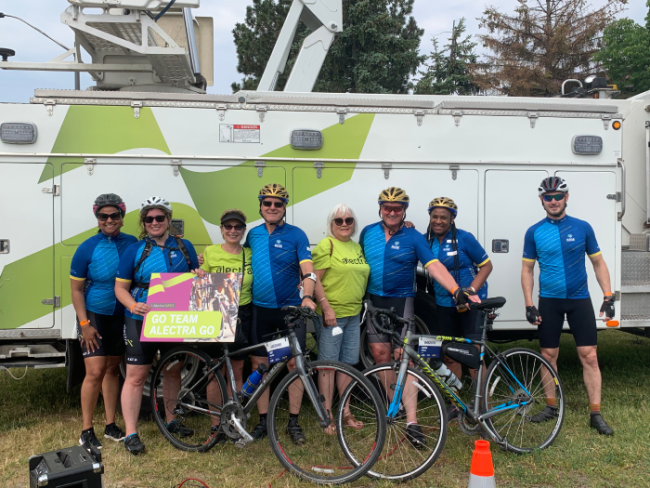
x: 237, y: 227
x: 104, y: 217
x: 268, y: 204
x: 157, y: 218
x: 339, y: 222
x: 549, y: 198
x: 389, y: 210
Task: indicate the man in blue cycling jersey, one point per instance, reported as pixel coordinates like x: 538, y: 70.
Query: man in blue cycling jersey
x: 281, y: 262
x: 393, y: 251
x: 559, y: 243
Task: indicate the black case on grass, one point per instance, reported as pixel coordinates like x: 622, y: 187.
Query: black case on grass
x: 72, y: 467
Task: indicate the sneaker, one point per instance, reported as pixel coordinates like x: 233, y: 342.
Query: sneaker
x: 88, y: 439
x: 259, y: 432
x: 549, y: 413
x: 415, y: 436
x: 176, y: 427
x: 221, y: 437
x: 295, y: 431
x: 452, y: 412
x: 133, y: 444
x: 598, y: 423
x: 114, y: 433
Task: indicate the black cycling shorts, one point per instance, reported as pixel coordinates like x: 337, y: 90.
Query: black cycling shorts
x: 141, y: 353
x: 267, y: 321
x: 453, y: 323
x: 245, y: 316
x: 110, y: 330
x: 579, y: 314
x: 404, y: 307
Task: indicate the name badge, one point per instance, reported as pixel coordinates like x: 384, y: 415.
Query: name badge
x: 452, y: 253
x: 429, y: 347
x: 278, y: 350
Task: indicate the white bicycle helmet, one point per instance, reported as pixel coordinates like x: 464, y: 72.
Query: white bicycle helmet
x: 552, y: 184
x: 156, y: 202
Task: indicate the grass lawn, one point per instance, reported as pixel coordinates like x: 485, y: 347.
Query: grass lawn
x: 36, y: 415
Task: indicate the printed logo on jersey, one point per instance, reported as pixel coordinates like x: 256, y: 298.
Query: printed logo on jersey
x: 570, y: 238
x: 395, y: 245
x: 278, y: 244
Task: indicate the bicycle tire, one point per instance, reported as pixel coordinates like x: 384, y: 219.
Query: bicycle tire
x: 202, y: 438
x: 397, y: 446
x: 365, y: 354
x: 323, y: 457
x: 526, y: 365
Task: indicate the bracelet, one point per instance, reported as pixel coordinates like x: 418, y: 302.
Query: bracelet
x: 471, y: 288
x: 133, y: 306
x: 322, y: 299
x: 308, y: 296
x: 83, y: 323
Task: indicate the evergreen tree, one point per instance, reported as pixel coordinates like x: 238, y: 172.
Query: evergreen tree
x: 448, y: 72
x: 377, y: 52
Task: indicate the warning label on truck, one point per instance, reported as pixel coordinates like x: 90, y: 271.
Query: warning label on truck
x: 239, y: 133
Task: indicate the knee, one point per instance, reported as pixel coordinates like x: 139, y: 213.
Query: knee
x: 291, y: 365
x: 590, y: 359
x: 550, y: 354
x: 113, y: 370
x: 95, y: 375
x: 136, y: 380
x: 381, y: 354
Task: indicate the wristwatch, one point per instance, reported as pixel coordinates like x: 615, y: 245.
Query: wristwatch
x: 310, y: 297
x: 311, y: 276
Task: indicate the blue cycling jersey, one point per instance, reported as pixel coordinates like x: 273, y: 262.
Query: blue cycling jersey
x: 560, y: 247
x: 393, y: 263
x: 168, y: 259
x: 471, y: 256
x: 276, y: 260
x: 95, y: 262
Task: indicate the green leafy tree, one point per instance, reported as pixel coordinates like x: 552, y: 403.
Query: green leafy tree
x: 448, y: 71
x: 378, y: 51
x: 626, y: 54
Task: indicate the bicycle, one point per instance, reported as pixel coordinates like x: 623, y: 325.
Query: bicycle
x: 205, y: 413
x: 506, y: 403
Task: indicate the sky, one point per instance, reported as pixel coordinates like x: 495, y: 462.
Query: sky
x: 434, y: 16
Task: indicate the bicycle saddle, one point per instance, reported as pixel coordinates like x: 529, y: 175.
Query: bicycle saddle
x: 489, y: 304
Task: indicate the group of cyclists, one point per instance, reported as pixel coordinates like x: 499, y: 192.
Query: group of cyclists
x: 110, y: 276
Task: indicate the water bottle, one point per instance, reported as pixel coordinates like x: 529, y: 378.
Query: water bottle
x: 449, y: 378
x: 254, y: 380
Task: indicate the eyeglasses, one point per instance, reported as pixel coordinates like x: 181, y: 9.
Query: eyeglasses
x: 237, y: 227
x: 339, y: 222
x: 389, y: 209
x: 104, y: 217
x: 268, y: 204
x: 558, y: 198
x: 157, y: 218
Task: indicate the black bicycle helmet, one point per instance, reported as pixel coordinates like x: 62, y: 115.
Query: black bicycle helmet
x: 109, y: 200
x: 551, y: 184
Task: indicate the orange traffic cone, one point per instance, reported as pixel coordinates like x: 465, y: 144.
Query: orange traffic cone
x: 481, y: 474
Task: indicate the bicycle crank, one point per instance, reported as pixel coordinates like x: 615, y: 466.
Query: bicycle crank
x: 467, y: 426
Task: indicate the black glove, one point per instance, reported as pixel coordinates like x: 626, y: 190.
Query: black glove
x: 608, y: 307
x: 532, y: 314
x: 461, y: 295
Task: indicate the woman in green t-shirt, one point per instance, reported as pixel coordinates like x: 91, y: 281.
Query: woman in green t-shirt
x: 342, y: 274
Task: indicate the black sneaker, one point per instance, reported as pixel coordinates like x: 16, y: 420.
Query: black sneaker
x: 415, y: 436
x: 88, y: 439
x: 175, y: 427
x: 134, y: 445
x: 114, y: 433
x: 259, y: 432
x: 295, y: 431
x: 549, y: 413
x: 598, y: 423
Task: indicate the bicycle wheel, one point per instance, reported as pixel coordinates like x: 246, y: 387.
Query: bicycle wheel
x: 195, y: 402
x: 400, y: 460
x: 505, y: 386
x: 340, y: 453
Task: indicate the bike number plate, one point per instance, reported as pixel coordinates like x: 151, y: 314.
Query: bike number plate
x: 429, y: 347
x: 278, y: 350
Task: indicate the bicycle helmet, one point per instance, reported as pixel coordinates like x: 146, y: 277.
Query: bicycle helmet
x: 109, y: 200
x: 274, y: 190
x: 156, y: 202
x: 444, y: 202
x: 551, y: 184
x: 394, y: 195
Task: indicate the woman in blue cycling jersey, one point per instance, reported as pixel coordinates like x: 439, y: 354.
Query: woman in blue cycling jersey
x: 157, y: 252
x: 467, y: 262
x: 100, y: 316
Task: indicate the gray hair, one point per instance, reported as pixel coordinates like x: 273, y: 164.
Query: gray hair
x: 341, y: 208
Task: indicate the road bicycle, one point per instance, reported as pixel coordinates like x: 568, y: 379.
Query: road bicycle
x: 508, y: 401
x: 210, y: 410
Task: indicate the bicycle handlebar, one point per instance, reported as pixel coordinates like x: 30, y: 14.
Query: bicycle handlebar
x: 391, y: 314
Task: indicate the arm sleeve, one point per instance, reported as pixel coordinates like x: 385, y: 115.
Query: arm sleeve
x: 321, y: 254
x: 127, y: 263
x: 194, y: 260
x: 475, y: 251
x: 80, y: 260
x: 422, y: 250
x: 593, y: 249
x: 530, y: 249
x: 302, y: 247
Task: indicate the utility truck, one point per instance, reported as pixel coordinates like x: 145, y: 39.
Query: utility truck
x: 148, y: 128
